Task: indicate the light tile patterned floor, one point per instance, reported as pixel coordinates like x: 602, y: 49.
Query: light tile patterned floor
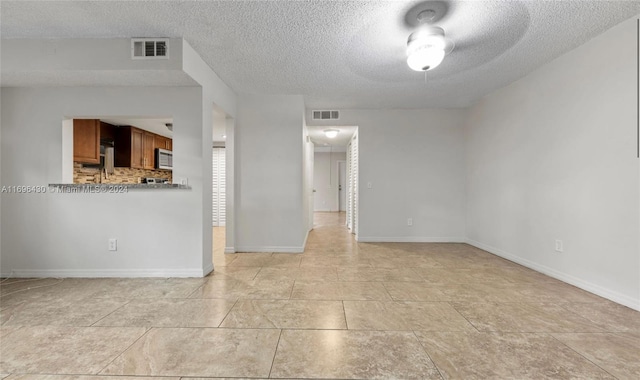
x: 342, y: 310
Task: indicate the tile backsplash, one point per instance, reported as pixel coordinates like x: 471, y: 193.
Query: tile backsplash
x: 82, y: 174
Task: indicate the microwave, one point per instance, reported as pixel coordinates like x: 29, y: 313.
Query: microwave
x: 164, y: 159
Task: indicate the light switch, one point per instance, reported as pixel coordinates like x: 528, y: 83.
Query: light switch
x: 369, y: 185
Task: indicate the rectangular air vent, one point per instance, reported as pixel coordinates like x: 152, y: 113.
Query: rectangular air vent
x: 326, y: 115
x: 150, y: 48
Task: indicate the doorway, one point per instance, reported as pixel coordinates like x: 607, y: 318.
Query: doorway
x: 335, y: 172
x: 219, y: 186
x: 222, y: 182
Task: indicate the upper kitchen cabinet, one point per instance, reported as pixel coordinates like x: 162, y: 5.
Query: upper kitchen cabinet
x: 129, y: 147
x: 134, y: 148
x: 162, y: 142
x: 107, y: 133
x: 86, y: 141
x: 148, y: 149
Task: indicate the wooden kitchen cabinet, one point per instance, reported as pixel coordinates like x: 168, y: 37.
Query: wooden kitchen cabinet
x: 129, y: 143
x: 148, y: 150
x: 136, y: 148
x: 86, y: 141
x: 107, y: 132
x: 162, y: 142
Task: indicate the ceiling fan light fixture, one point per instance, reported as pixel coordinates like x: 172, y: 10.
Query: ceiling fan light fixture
x: 331, y: 133
x: 426, y: 48
x: 425, y: 59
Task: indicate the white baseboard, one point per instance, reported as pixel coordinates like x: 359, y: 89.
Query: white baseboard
x: 229, y: 250
x: 569, y: 279
x: 410, y: 239
x: 208, y: 269
x: 96, y: 273
x: 270, y: 249
x: 306, y: 236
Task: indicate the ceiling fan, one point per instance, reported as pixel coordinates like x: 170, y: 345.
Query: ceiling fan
x: 427, y: 46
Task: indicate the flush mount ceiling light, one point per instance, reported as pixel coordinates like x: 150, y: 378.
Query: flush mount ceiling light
x: 331, y: 133
x: 426, y: 48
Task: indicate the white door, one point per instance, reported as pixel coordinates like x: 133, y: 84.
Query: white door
x: 342, y: 185
x: 352, y: 189
x: 309, y: 179
x: 349, y: 187
x: 218, y: 187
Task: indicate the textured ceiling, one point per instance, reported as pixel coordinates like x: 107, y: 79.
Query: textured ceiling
x: 338, y: 54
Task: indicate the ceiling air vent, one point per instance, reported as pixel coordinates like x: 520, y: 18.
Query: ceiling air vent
x: 326, y: 115
x: 150, y: 48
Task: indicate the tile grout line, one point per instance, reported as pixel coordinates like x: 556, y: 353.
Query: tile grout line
x: 75, y: 375
x: 113, y: 311
x: 274, y: 354
x: 577, y: 352
x: 292, y: 287
x: 257, y: 273
x: 188, y: 296
x: 427, y: 353
x: 228, y: 312
x: 463, y: 316
x: 344, y: 310
x: 387, y: 290
x: 125, y: 350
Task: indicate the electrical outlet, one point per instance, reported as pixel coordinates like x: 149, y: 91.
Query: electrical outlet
x: 410, y: 222
x: 184, y: 181
x: 113, y: 244
x: 559, y: 247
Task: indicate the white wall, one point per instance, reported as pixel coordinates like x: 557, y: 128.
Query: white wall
x: 94, y: 54
x: 1, y: 179
x: 269, y: 202
x: 553, y: 156
x: 215, y: 91
x: 325, y: 180
x: 67, y: 151
x: 230, y: 226
x: 107, y: 62
x: 414, y: 160
x: 307, y: 175
x: 160, y: 233
x: 81, y: 62
x: 215, y: 95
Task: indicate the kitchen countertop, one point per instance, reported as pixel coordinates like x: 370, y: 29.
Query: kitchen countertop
x: 112, y: 187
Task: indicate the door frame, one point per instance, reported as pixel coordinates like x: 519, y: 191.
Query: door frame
x: 345, y: 185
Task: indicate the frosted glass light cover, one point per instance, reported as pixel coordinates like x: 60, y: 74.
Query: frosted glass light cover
x: 425, y: 59
x: 331, y: 133
x: 426, y: 48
